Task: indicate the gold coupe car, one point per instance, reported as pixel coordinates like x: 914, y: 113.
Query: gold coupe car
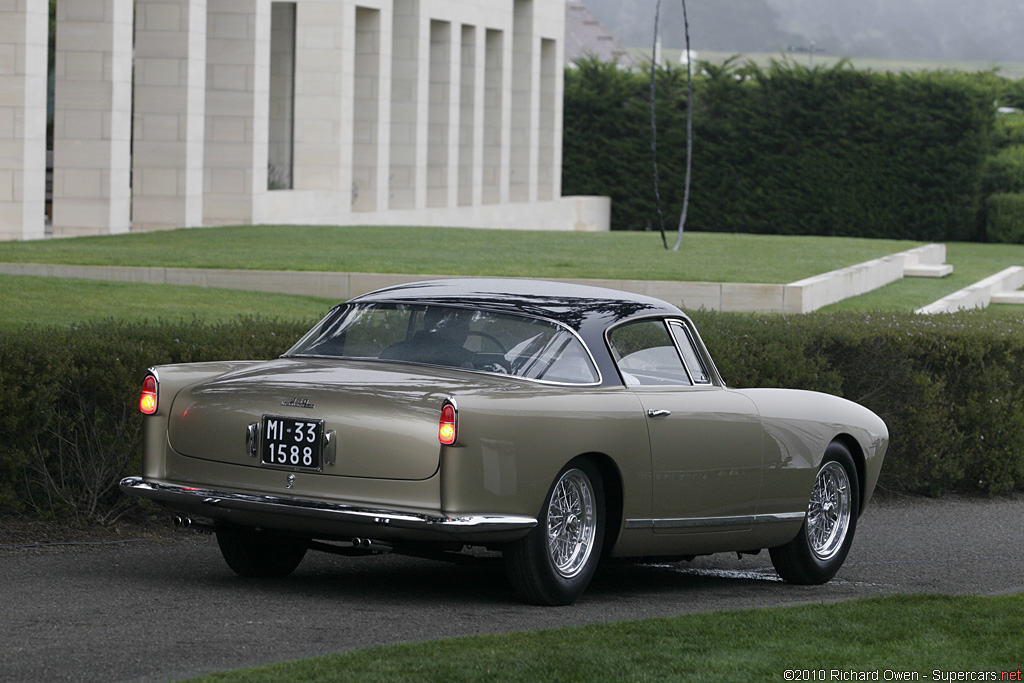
x: 558, y: 424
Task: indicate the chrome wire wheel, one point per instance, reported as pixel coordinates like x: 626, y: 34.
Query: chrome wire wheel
x: 572, y: 523
x: 829, y: 511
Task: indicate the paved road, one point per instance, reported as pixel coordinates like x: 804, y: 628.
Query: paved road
x: 151, y: 611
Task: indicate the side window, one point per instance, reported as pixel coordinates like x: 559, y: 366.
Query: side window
x: 646, y: 355
x: 688, y: 346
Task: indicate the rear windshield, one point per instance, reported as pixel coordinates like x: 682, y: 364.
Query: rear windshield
x: 485, y: 341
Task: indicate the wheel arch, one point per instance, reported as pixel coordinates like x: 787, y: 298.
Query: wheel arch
x: 611, y: 480
x: 857, y: 453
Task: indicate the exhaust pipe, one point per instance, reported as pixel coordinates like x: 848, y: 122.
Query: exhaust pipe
x: 187, y: 523
x: 370, y: 545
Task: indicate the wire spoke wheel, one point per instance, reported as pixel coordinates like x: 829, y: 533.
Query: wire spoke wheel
x: 572, y: 523
x: 553, y: 564
x: 820, y: 548
x: 829, y: 510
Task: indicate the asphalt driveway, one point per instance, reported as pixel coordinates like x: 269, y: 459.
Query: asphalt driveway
x: 150, y: 610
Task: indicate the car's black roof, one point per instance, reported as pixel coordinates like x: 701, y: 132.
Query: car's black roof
x: 579, y: 306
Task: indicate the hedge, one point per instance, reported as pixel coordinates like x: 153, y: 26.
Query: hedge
x: 1009, y: 130
x: 949, y: 387
x: 787, y: 149
x: 1004, y: 170
x: 1005, y: 218
x: 69, y: 426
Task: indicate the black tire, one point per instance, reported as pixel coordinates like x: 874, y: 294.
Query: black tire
x: 261, y: 555
x: 820, y: 549
x: 554, y: 563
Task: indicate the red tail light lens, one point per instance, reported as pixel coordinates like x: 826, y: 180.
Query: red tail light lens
x: 148, y: 399
x: 447, y: 431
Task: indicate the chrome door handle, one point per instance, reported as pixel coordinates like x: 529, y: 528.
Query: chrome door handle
x: 658, y: 413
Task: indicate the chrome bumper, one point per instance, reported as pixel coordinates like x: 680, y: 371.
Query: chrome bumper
x: 321, y: 519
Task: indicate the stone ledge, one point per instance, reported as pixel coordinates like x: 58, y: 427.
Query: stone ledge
x: 981, y: 293
x: 802, y: 296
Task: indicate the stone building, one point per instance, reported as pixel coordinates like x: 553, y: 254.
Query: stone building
x: 171, y: 113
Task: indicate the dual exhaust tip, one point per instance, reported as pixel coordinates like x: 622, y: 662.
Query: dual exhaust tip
x: 360, y: 543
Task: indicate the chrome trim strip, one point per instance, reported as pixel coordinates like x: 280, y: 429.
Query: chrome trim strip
x: 295, y: 507
x: 702, y: 522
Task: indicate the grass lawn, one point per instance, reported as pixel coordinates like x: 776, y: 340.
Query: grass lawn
x: 915, y: 634
x: 64, y: 302
x: 971, y: 262
x: 712, y: 257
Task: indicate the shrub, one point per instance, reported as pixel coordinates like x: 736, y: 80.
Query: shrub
x: 1009, y: 130
x: 1005, y: 218
x: 69, y: 427
x: 949, y: 387
x: 786, y: 150
x: 1004, y: 171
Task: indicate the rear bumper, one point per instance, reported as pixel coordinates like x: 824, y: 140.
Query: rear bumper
x: 327, y: 520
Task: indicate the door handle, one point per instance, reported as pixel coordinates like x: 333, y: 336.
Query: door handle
x: 658, y: 413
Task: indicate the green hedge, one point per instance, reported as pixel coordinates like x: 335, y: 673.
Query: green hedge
x: 69, y: 425
x: 1004, y: 171
x: 949, y: 387
x: 1005, y: 218
x: 1009, y: 130
x: 786, y: 150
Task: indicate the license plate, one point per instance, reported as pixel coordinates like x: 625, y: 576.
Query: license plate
x: 292, y: 444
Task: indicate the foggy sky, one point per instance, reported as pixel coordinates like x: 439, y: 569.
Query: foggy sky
x: 975, y: 30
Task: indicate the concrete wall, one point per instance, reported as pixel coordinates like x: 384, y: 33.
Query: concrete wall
x: 23, y: 44
x: 438, y: 112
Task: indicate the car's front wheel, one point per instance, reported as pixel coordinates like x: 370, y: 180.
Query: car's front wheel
x: 818, y: 551
x: 554, y: 563
x: 259, y: 554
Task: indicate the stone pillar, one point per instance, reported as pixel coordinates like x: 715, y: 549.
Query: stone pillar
x: 92, y: 118
x: 439, y: 117
x: 170, y: 100
x: 237, y: 111
x: 468, y: 178
x: 522, y: 170
x: 406, y: 78
x: 494, y: 145
x: 366, y: 110
x: 319, y: 38
x: 23, y: 43
x: 547, y: 123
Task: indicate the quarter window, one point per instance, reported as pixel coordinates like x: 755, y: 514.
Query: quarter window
x: 688, y: 347
x: 647, y: 355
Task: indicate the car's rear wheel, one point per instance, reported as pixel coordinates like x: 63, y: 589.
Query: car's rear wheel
x: 554, y: 563
x: 820, y: 549
x: 260, y: 554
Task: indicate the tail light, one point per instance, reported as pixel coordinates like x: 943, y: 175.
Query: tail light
x: 148, y: 399
x: 447, y: 429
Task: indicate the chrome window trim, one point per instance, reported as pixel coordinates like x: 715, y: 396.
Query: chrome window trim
x: 688, y: 331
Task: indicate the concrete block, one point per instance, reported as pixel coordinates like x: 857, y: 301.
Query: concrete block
x: 756, y: 298
x: 1016, y: 298
x: 928, y: 270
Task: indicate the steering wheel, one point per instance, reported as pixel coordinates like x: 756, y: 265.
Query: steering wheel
x: 491, y: 338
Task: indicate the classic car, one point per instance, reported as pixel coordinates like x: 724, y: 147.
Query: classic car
x: 557, y: 424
